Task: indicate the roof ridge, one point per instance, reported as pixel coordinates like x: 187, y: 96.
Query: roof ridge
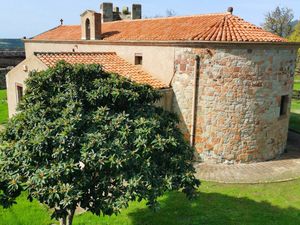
x: 169, y: 18
x: 147, y: 19
x: 69, y: 25
x: 202, y: 27
x: 209, y: 32
x: 47, y: 31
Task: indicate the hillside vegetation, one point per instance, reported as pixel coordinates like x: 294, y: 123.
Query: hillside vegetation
x: 11, y: 44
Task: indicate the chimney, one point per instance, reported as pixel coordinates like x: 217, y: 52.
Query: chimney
x: 91, y: 25
x: 136, y: 12
x: 106, y: 10
x: 230, y: 10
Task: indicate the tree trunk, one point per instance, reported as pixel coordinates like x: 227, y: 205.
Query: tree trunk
x: 68, y: 220
x: 63, y: 221
x: 70, y: 216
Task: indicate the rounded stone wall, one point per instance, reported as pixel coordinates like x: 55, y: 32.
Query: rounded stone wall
x: 240, y: 101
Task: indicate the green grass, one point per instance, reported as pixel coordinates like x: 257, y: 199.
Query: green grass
x: 295, y: 116
x: 25, y: 213
x: 297, y: 86
x: 276, y: 204
x: 3, y: 107
x: 296, y: 106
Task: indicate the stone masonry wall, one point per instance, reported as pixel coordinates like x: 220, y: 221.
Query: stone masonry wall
x: 238, y: 103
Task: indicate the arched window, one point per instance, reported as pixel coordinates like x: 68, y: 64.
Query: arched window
x: 88, y: 29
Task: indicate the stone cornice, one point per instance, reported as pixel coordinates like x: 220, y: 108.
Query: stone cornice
x: 192, y: 44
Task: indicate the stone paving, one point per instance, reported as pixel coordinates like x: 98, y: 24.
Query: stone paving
x: 285, y: 168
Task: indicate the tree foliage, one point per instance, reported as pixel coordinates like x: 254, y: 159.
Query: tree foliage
x: 84, y: 137
x: 295, y: 37
x: 279, y: 21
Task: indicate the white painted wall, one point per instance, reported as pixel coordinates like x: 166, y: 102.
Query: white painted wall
x: 17, y: 76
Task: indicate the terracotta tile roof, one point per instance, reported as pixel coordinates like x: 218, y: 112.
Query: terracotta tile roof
x: 110, y: 61
x: 211, y: 27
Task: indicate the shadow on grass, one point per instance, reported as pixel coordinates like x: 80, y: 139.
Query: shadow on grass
x: 206, y: 209
x: 214, y: 209
x: 295, y: 122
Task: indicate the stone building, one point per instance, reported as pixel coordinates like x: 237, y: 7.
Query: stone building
x: 229, y: 81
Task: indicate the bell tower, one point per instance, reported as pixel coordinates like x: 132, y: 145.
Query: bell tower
x: 90, y: 25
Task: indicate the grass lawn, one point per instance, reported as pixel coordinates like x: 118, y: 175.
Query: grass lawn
x: 295, y: 115
x: 216, y: 204
x: 25, y: 213
x: 297, y: 86
x: 3, y: 107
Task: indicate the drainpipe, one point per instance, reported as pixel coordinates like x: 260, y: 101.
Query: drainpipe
x: 194, y: 103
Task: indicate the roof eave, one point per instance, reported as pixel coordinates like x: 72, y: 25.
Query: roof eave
x: 166, y: 43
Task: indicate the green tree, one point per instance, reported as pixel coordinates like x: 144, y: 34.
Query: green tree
x: 84, y: 137
x: 295, y: 37
x: 279, y: 21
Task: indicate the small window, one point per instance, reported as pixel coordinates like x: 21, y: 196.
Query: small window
x: 138, y: 60
x: 87, y: 29
x: 19, y: 92
x: 284, y: 105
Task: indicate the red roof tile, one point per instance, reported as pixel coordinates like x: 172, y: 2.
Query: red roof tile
x: 211, y: 27
x: 110, y: 61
